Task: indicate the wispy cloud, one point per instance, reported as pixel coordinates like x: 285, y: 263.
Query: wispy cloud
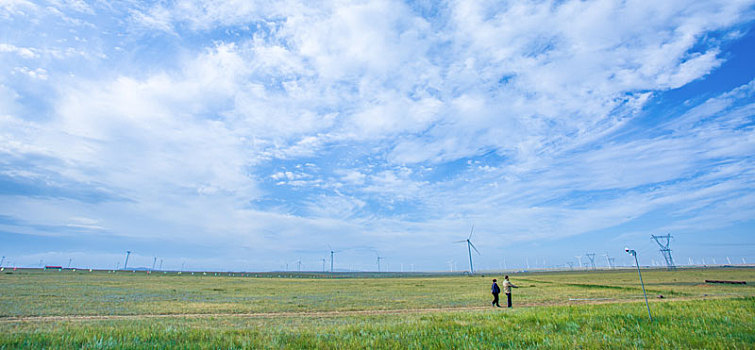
x: 298, y: 123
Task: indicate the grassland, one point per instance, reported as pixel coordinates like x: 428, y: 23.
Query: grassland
x: 134, y: 310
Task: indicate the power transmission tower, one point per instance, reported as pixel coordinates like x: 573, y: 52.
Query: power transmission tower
x: 591, y: 256
x: 664, y: 242
x: 610, y: 261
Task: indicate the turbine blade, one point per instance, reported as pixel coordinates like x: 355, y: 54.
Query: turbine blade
x: 473, y: 247
x: 462, y: 241
x: 470, y: 232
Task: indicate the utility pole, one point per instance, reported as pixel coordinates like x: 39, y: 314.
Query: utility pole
x: 125, y: 264
x: 664, y: 242
x: 591, y: 256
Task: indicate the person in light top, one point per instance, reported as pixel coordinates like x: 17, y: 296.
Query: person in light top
x: 507, y: 285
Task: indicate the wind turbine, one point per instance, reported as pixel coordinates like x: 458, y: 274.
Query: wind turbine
x: 378, y: 261
x: 298, y: 265
x: 331, y: 257
x: 470, y: 246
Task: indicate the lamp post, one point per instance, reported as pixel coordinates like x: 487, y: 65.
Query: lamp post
x: 125, y: 264
x: 634, y: 254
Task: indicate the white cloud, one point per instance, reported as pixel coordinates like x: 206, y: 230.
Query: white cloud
x: 21, y: 51
x: 508, y: 114
x: 17, y: 8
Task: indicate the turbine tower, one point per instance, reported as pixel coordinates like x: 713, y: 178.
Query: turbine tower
x: 378, y: 261
x: 663, y: 242
x: 470, y: 246
x: 579, y: 260
x: 331, y: 257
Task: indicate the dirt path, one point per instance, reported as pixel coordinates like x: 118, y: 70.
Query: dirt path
x: 316, y: 314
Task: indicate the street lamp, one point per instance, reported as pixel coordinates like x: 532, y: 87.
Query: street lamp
x: 634, y: 254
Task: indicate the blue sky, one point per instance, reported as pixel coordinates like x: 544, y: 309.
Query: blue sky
x: 248, y: 135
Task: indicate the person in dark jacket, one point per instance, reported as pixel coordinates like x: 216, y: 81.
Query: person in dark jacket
x: 495, y: 290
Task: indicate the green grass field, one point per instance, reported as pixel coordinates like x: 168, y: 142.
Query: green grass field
x: 596, y: 309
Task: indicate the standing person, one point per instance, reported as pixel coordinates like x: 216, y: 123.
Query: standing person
x: 507, y: 285
x: 495, y: 290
